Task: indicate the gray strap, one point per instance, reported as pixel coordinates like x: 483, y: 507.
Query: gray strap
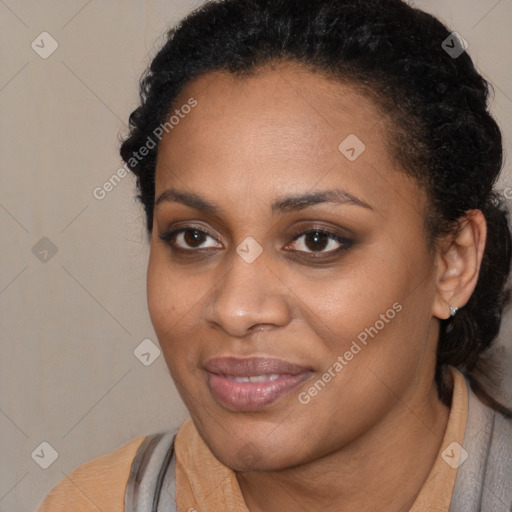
x: 167, y: 501
x: 149, y: 468
x: 484, y: 479
x: 497, y: 492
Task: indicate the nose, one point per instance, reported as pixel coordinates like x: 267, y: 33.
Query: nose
x: 250, y: 297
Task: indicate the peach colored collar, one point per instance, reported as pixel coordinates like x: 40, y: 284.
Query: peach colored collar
x: 436, y: 493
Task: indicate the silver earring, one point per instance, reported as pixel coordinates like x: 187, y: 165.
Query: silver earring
x: 453, y: 310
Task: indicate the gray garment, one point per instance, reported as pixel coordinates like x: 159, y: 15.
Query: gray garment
x: 151, y: 483
x: 484, y: 479
x: 483, y: 482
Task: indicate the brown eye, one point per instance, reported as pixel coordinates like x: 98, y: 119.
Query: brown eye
x: 318, y: 240
x: 187, y: 239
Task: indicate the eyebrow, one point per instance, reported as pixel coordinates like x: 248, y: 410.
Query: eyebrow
x: 282, y: 204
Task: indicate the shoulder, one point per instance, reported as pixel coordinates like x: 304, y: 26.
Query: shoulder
x: 99, y: 484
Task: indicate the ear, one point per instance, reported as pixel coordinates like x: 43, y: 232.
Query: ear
x: 458, y: 263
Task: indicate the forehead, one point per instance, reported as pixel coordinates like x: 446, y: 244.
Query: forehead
x: 286, y: 99
x: 283, y: 129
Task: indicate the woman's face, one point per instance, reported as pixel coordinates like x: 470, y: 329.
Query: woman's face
x: 278, y: 335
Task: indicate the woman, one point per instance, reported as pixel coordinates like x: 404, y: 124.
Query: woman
x: 327, y: 266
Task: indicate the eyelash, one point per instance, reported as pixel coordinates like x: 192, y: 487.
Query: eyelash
x: 345, y: 243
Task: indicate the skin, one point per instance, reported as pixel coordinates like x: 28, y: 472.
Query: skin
x: 369, y: 439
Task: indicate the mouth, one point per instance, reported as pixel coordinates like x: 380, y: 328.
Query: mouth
x: 252, y: 383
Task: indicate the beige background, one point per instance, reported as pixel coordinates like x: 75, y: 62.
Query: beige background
x: 70, y: 324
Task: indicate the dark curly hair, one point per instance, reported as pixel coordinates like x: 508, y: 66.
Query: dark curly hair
x: 444, y: 135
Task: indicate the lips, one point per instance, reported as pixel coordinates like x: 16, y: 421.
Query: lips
x: 252, y: 383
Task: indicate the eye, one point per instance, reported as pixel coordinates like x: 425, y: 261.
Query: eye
x: 318, y: 239
x: 187, y: 238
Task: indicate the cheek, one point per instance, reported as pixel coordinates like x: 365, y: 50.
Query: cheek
x: 165, y: 302
x: 173, y: 303
x: 359, y: 293
x: 371, y: 303
x: 158, y: 305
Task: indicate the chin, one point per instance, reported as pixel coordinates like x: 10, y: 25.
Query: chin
x: 248, y: 460
x: 258, y: 454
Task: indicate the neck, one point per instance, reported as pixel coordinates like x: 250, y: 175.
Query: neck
x: 383, y: 470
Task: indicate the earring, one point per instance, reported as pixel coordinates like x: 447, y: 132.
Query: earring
x: 453, y: 310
